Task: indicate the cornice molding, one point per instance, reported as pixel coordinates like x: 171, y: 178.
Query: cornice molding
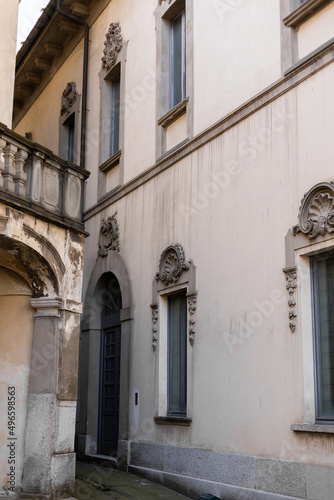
x: 302, y: 13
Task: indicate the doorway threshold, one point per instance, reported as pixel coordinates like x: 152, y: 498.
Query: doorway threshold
x: 104, y: 460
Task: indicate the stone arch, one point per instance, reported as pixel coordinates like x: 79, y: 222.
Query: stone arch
x: 44, y: 272
x: 90, y: 355
x: 114, y: 263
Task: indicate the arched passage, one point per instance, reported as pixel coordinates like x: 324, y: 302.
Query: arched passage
x: 16, y: 337
x: 26, y: 278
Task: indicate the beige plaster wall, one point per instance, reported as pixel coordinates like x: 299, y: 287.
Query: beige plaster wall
x: 139, y: 98
x: 42, y: 119
x: 15, y: 355
x: 237, y: 55
x: 245, y: 398
x: 8, y: 30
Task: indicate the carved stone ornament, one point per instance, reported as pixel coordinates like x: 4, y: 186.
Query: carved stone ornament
x: 172, y: 264
x: 69, y: 97
x: 316, y: 213
x: 113, y: 45
x: 291, y: 278
x: 155, y: 317
x: 192, y: 299
x: 109, y: 236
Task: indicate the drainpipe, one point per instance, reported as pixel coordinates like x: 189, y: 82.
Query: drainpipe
x: 84, y: 82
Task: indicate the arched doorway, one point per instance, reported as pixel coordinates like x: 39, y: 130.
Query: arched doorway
x: 109, y: 273
x: 110, y: 365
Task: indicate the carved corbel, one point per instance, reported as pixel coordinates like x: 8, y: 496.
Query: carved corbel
x: 192, y: 304
x: 291, y: 278
x: 155, y: 317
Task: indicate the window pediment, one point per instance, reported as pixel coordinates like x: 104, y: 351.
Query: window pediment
x: 316, y: 213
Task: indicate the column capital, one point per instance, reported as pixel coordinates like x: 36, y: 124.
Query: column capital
x: 46, y: 306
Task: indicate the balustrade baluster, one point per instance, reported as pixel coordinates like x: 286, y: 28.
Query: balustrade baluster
x: 2, y: 160
x: 21, y: 175
x: 9, y: 171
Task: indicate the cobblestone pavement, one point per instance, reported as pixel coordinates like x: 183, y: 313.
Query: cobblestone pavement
x: 100, y: 483
x: 94, y: 482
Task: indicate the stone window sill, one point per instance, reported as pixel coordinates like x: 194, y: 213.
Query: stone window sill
x: 303, y: 12
x: 111, y: 162
x: 169, y: 420
x: 173, y: 114
x: 316, y: 428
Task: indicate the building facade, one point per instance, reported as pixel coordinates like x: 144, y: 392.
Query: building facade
x: 206, y: 336
x: 42, y: 240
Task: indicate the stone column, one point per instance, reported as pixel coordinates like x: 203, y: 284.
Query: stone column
x: 49, y: 460
x: 8, y: 30
x: 41, y: 412
x: 63, y: 460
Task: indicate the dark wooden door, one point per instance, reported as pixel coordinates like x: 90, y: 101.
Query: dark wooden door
x: 110, y: 365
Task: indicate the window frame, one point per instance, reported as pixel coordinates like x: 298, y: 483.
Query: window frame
x: 111, y: 164
x: 172, y: 101
x: 166, y: 113
x: 300, y: 12
x: 69, y: 125
x: 163, y: 288
x: 182, y: 382
x: 64, y: 137
x: 115, y: 102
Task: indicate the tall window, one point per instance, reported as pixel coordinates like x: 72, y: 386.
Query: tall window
x: 177, y: 59
x: 115, y: 109
x: 67, y: 138
x: 323, y: 322
x: 177, y: 354
x: 69, y: 124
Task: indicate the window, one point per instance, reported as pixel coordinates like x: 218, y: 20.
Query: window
x: 112, y: 111
x: 323, y: 327
x: 69, y: 125
x: 177, y: 87
x: 177, y: 354
x: 173, y: 335
x: 174, y: 110
x: 114, y: 114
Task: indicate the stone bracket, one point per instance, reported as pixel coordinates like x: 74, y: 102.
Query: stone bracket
x: 291, y: 278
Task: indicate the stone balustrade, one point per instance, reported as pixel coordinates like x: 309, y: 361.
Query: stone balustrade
x: 33, y: 177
